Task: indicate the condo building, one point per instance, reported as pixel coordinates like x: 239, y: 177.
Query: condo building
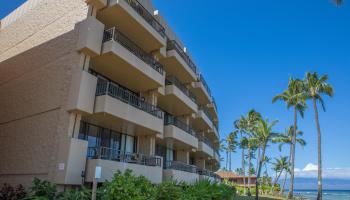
x: 101, y: 83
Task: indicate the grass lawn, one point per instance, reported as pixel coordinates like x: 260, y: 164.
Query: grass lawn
x: 253, y: 198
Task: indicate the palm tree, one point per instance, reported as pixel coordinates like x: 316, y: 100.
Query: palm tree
x: 287, y: 138
x: 223, y: 147
x: 265, y: 135
x: 315, y: 87
x: 281, y: 164
x: 231, y: 146
x: 243, y: 144
x: 293, y: 97
x: 248, y: 125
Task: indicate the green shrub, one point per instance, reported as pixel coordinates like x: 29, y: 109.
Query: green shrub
x: 170, y: 190
x: 42, y: 190
x: 76, y: 194
x: 127, y: 186
x: 7, y: 192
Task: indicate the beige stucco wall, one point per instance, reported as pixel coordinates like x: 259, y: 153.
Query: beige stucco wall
x: 180, y: 176
x: 109, y: 168
x: 37, y: 60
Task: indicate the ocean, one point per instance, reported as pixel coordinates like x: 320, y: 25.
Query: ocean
x: 327, y: 194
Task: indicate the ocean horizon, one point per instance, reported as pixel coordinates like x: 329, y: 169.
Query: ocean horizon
x: 333, y: 188
x: 327, y: 194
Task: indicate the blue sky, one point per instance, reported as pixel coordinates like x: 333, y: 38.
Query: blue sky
x: 248, y: 49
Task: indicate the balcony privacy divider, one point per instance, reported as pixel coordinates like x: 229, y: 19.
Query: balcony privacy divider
x: 147, y: 16
x: 173, y: 45
x: 117, y: 36
x: 114, y: 90
x: 106, y: 153
x: 172, y: 80
x: 172, y: 120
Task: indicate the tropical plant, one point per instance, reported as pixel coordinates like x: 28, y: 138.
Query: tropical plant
x: 231, y: 141
x: 281, y: 164
x: 265, y: 135
x: 287, y: 138
x: 7, y: 192
x: 169, y: 190
x: 315, y: 87
x: 42, y: 190
x: 293, y: 97
x: 75, y: 194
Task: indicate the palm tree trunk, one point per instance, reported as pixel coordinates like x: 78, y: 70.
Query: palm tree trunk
x: 243, y: 169
x: 291, y: 186
x: 249, y: 166
x: 259, y: 172
x: 319, y: 182
x: 226, y: 159
x: 276, y: 180
x: 258, y: 160
x: 286, y: 175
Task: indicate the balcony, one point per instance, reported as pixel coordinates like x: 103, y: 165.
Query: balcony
x: 177, y: 99
x: 202, y: 91
x: 135, y: 21
x: 180, y: 171
x: 116, y: 103
x: 205, y: 146
x: 121, y: 59
x: 208, y: 175
x: 179, y: 133
x: 217, y: 155
x: 212, y: 107
x: 179, y: 63
x: 203, y: 120
x: 112, y: 160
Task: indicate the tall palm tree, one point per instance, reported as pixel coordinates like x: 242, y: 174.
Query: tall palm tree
x: 315, y: 87
x: 231, y: 146
x: 249, y: 125
x: 223, y: 147
x: 293, y: 97
x: 287, y: 138
x: 243, y: 144
x: 281, y: 164
x: 264, y: 135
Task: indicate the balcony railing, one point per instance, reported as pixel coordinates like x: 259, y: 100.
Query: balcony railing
x: 207, y: 113
x: 105, y: 87
x: 173, y: 45
x: 214, y: 103
x: 171, y: 120
x: 172, y: 80
x: 117, y: 36
x: 208, y: 173
x: 147, y: 16
x: 106, y: 153
x: 205, y: 140
x: 201, y: 78
x: 176, y: 165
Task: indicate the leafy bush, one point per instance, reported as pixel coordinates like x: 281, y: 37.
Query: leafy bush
x: 170, y: 190
x: 42, y: 190
x: 77, y: 194
x: 7, y: 192
x: 126, y: 186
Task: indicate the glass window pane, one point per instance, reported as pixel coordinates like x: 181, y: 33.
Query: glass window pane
x: 105, y: 138
x: 129, y: 144
x: 93, y: 136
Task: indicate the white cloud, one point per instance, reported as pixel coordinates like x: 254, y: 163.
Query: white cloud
x: 310, y: 171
